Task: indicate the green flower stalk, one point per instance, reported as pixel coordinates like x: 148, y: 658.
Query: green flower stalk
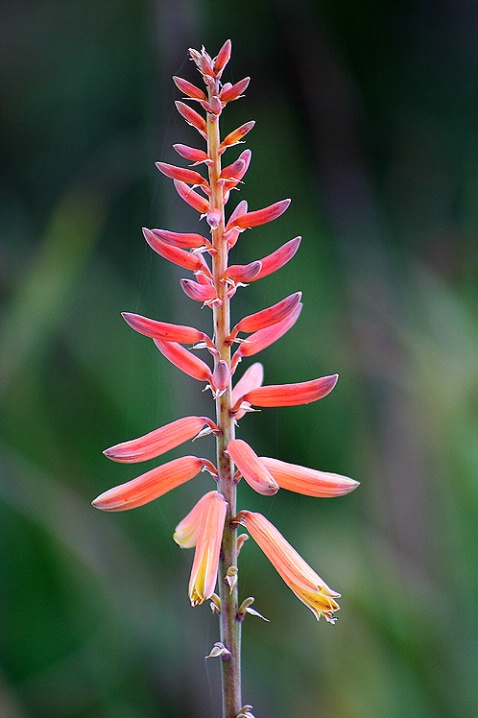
x: 211, y: 527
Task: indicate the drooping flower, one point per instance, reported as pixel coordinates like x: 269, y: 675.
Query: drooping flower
x: 291, y: 567
x: 208, y: 546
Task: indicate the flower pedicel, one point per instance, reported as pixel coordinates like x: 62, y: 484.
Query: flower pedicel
x: 211, y: 527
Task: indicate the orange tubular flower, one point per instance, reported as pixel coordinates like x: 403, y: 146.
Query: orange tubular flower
x: 187, y: 530
x: 159, y: 441
x: 292, y: 394
x: 308, y: 481
x: 252, y: 468
x: 208, y: 546
x: 291, y: 567
x: 151, y: 485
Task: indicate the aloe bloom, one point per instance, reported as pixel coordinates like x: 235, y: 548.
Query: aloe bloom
x: 214, y: 276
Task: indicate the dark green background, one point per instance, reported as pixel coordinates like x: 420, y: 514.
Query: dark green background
x: 367, y: 118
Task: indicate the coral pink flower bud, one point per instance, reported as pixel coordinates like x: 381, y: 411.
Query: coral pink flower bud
x: 182, y: 240
x: 234, y: 137
x: 208, y: 547
x: 213, y: 218
x: 194, y: 262
x: 251, y: 379
x: 292, y: 394
x: 191, y: 153
x: 159, y: 441
x: 265, y: 337
x: 221, y: 376
x: 243, y: 272
x: 223, y: 57
x: 232, y: 171
x: 150, y: 486
x: 309, y: 482
x: 189, y: 363
x: 235, y: 91
x: 200, y: 204
x: 203, y: 61
x: 262, y: 216
x: 291, y: 567
x: 189, y: 89
x: 198, y: 292
x: 163, y: 330
x: 181, y: 173
x: 267, y: 317
x: 193, y: 118
x: 277, y: 259
x: 214, y: 106
x: 252, y: 468
x: 186, y: 533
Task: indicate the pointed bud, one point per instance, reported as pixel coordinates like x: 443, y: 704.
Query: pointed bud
x: 291, y: 567
x: 182, y: 174
x: 189, y: 363
x: 223, y: 57
x: 228, y: 94
x: 198, y: 292
x: 221, y: 376
x: 252, y: 468
x: 193, y: 118
x: 261, y: 216
x: 243, y: 272
x: 292, y: 394
x: 206, y: 557
x: 309, y: 482
x: 192, y: 154
x: 279, y: 258
x: 265, y: 337
x: 193, y: 262
x: 159, y: 441
x: 213, y: 218
x: 189, y: 89
x: 251, y: 379
x: 232, y: 171
x: 163, y: 330
x: 268, y: 317
x: 200, y: 204
x: 234, y: 137
x: 149, y: 486
x: 203, y: 61
x: 182, y: 240
x: 186, y: 533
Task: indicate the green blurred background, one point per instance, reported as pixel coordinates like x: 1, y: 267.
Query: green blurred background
x: 367, y: 118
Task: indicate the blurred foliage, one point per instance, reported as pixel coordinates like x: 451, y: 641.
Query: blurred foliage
x: 366, y: 117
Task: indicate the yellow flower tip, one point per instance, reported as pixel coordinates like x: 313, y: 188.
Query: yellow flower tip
x: 307, y: 585
x: 210, y: 529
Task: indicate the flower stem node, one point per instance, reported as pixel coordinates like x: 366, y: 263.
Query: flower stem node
x: 245, y: 607
x: 219, y: 650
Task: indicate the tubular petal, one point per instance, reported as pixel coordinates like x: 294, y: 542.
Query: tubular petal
x: 149, y: 486
x: 292, y: 394
x: 181, y: 173
x: 243, y: 272
x: 265, y: 337
x: 200, y: 204
x: 234, y: 137
x: 163, y: 330
x: 182, y: 240
x: 191, y: 153
x: 309, y: 482
x: 235, y: 91
x: 251, y: 379
x: 262, y: 216
x: 206, y: 558
x: 252, y: 468
x: 189, y: 89
x: 268, y: 317
x: 186, y: 532
x: 198, y: 292
x: 192, y: 117
x: 277, y: 259
x: 221, y: 376
x: 291, y: 567
x: 194, y: 262
x: 223, y: 57
x: 183, y: 359
x: 159, y: 441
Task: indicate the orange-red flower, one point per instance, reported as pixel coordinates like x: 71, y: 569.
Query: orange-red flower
x: 151, y: 485
x: 308, y: 481
x: 291, y: 567
x: 203, y: 578
x: 252, y: 468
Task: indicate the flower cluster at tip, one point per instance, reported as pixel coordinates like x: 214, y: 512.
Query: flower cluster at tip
x: 214, y: 285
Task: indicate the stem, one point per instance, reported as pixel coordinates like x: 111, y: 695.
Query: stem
x: 230, y: 626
